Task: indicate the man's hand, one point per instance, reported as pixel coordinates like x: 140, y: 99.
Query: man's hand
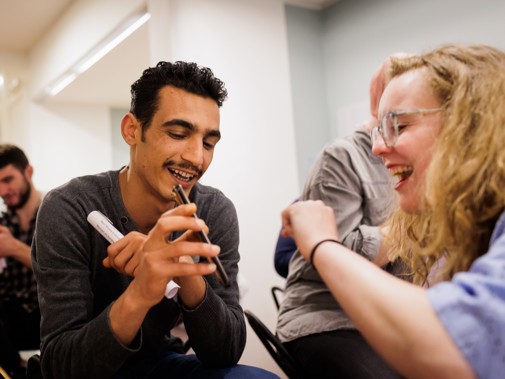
x: 154, y: 260
x: 124, y: 255
x: 14, y: 248
x: 8, y: 244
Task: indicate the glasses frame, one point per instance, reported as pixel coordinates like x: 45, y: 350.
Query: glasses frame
x: 379, y: 129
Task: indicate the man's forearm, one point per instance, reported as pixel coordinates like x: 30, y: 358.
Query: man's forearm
x: 22, y: 254
x: 192, y: 291
x: 126, y: 316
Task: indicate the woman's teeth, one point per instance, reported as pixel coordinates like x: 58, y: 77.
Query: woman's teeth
x: 401, y: 172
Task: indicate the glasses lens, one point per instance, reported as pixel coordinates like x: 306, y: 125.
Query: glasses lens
x: 388, y: 128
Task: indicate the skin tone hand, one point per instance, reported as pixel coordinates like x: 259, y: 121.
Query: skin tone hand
x: 124, y: 255
x: 307, y: 226
x: 394, y: 316
x: 159, y: 263
x: 12, y: 247
x: 193, y: 287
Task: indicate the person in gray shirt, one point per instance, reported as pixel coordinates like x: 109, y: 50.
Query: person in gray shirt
x: 105, y: 312
x: 311, y: 324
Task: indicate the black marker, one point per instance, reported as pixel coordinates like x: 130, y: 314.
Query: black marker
x: 183, y: 199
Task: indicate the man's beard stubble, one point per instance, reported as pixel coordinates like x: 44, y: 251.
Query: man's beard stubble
x: 23, y: 197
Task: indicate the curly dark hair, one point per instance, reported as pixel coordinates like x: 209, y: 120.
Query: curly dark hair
x: 183, y: 75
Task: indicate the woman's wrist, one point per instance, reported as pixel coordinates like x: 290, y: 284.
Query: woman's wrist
x: 314, y: 249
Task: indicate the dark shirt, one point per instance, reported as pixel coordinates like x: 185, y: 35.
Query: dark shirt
x: 77, y: 291
x: 284, y: 250
x: 17, y: 282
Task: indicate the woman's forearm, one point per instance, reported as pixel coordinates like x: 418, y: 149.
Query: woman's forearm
x: 395, y: 316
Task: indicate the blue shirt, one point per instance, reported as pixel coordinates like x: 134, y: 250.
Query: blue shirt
x: 472, y: 308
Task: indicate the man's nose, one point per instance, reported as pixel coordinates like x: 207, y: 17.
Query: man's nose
x: 194, y: 152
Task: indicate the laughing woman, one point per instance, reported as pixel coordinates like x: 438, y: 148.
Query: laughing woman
x: 441, y: 134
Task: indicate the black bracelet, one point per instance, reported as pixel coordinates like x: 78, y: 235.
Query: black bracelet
x: 313, y: 251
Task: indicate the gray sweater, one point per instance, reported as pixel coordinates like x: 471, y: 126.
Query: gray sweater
x: 76, y: 291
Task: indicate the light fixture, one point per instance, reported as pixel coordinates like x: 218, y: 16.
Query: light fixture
x: 118, y: 35
x: 57, y: 86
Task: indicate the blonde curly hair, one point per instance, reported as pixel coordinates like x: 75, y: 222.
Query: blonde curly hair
x: 465, y: 181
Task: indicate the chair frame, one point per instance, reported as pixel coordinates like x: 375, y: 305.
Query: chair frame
x: 275, y: 290
x: 275, y: 347
x: 33, y: 369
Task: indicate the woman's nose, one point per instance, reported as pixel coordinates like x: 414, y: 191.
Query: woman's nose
x: 379, y: 146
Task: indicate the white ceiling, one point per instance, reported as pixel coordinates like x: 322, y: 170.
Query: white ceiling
x: 120, y: 67
x: 23, y: 22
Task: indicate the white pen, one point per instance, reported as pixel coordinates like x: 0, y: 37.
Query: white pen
x: 105, y: 227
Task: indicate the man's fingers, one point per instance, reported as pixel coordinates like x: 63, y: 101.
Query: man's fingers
x: 106, y: 262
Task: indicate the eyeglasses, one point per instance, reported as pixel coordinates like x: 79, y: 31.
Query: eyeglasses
x: 389, y: 127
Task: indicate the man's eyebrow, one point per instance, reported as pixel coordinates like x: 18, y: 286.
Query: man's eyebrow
x: 179, y: 122
x: 190, y: 126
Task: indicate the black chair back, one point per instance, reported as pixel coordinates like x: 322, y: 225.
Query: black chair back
x: 277, y: 295
x: 33, y: 369
x: 275, y: 347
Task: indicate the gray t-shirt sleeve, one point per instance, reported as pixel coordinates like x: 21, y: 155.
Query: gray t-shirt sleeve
x: 354, y: 184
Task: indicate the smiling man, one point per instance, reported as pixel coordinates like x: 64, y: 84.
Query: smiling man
x: 19, y: 309
x: 105, y: 313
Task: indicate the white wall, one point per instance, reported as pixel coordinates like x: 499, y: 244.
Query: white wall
x: 14, y: 67
x: 342, y: 46
x: 308, y: 85
x: 65, y: 141
x: 360, y: 34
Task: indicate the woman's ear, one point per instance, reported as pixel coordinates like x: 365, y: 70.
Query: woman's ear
x: 129, y: 128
